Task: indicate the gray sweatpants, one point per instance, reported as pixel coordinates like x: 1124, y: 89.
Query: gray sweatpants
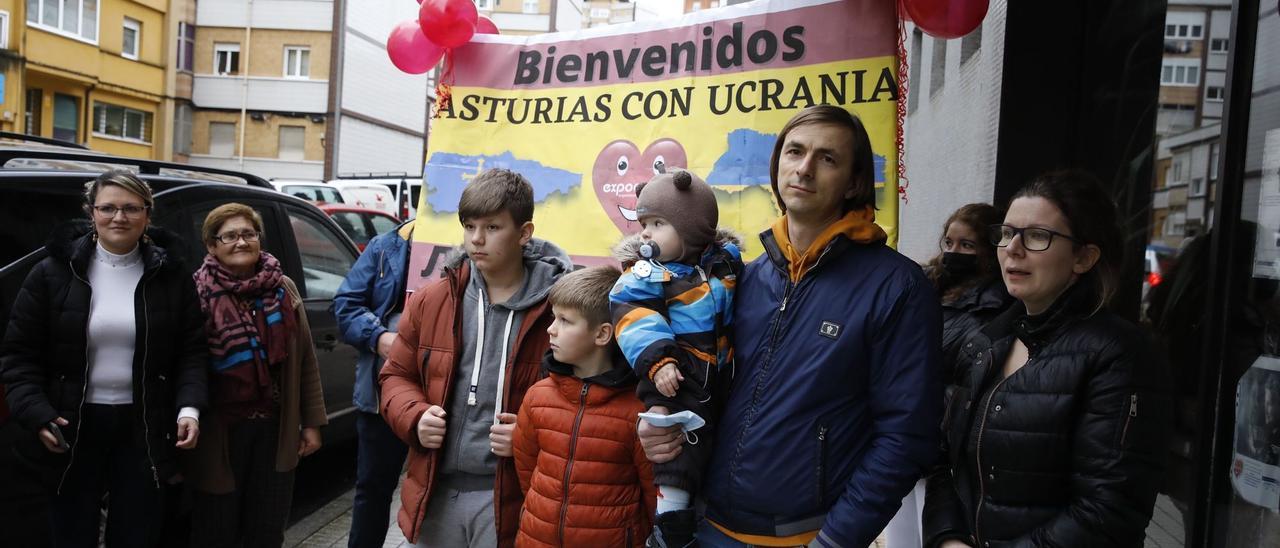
x: 460, y: 514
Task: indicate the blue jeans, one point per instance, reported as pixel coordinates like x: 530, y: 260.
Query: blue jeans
x: 379, y: 459
x: 710, y: 537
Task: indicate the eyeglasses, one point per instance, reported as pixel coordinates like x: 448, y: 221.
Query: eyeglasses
x: 229, y: 238
x: 130, y: 211
x: 1033, y: 238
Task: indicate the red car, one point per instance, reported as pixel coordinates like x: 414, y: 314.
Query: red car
x: 360, y: 223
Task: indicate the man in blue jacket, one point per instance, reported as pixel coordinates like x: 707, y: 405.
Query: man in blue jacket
x: 834, y: 408
x: 368, y: 306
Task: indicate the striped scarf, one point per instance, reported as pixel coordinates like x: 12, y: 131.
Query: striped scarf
x: 248, y: 323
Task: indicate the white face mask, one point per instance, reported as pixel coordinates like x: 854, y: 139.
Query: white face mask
x: 687, y: 420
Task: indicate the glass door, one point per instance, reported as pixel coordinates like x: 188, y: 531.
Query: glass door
x: 1246, y: 472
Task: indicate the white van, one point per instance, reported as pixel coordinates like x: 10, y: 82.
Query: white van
x: 369, y: 194
x: 405, y: 191
x: 312, y: 191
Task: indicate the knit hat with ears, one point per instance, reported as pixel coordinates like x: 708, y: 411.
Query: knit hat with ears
x: 685, y: 201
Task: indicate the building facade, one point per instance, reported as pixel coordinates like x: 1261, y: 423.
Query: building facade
x: 525, y: 17
x: 260, y: 86
x: 91, y: 72
x: 598, y: 13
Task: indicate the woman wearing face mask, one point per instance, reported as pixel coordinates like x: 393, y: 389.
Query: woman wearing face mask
x: 104, y: 363
x: 1056, y: 431
x: 264, y: 388
x: 967, y: 276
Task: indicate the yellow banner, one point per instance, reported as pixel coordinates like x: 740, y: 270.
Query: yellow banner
x: 709, y: 93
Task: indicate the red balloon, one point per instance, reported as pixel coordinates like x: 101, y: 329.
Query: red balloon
x: 946, y: 18
x: 410, y: 50
x: 449, y: 23
x: 484, y: 25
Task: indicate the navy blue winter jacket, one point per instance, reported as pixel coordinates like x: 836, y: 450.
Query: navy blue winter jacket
x: 834, y: 408
x: 363, y: 304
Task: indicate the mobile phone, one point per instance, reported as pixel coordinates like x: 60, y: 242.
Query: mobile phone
x: 57, y: 435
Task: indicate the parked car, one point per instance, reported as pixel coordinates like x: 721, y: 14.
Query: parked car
x: 42, y: 185
x: 361, y: 224
x: 366, y: 194
x: 315, y: 192
x: 406, y: 190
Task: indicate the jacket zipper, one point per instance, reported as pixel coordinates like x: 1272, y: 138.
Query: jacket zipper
x: 982, y: 485
x: 1133, y: 413
x: 146, y: 343
x: 84, y: 385
x: 822, y: 464
x: 568, y: 466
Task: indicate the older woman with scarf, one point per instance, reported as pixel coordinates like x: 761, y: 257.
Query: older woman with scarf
x: 264, y: 392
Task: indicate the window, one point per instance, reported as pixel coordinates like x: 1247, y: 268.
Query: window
x: 1197, y: 186
x: 130, y: 36
x: 599, y: 13
x: 35, y: 105
x: 1180, y: 72
x: 1177, y: 172
x: 4, y: 29
x: 120, y: 122
x: 292, y: 143
x: 917, y: 44
x: 186, y: 46
x: 381, y: 225
x: 970, y: 43
x: 226, y: 58
x: 531, y: 6
x: 1219, y: 45
x: 66, y: 118
x: 297, y: 62
x: 482, y: 4
x: 938, y: 74
x: 1215, y: 154
x: 222, y: 139
x: 182, y: 129
x: 325, y: 260
x: 1214, y: 93
x: 74, y: 18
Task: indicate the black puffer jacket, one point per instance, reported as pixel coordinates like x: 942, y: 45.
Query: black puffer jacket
x: 45, y: 350
x: 966, y: 314
x: 1068, y: 450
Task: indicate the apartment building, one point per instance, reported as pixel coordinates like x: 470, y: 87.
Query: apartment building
x: 524, y: 17
x: 607, y: 12
x: 260, y: 86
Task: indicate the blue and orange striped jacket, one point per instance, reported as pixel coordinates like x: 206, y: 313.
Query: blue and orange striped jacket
x: 679, y: 312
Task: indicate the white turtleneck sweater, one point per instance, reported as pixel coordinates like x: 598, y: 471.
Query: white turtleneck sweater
x: 113, y: 327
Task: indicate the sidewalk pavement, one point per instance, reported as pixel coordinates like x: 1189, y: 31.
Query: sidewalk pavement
x: 328, y: 526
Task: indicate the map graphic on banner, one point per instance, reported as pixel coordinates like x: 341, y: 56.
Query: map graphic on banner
x: 588, y: 115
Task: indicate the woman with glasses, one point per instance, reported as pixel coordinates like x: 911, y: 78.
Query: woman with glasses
x: 264, y: 386
x: 1054, y: 434
x: 104, y: 362
x: 967, y: 276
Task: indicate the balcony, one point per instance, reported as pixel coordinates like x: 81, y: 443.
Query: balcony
x: 267, y: 168
x: 267, y: 14
x: 272, y: 94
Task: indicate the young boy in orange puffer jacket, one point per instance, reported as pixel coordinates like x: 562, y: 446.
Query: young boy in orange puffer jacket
x: 585, y: 477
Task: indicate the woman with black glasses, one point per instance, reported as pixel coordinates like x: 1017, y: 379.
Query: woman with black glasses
x: 267, y: 406
x: 1055, y: 431
x: 104, y: 363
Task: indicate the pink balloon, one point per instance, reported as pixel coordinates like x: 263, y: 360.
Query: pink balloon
x: 946, y: 18
x: 449, y: 23
x: 484, y: 25
x: 410, y: 50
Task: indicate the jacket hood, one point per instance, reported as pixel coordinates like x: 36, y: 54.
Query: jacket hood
x: 73, y: 241
x: 990, y: 295
x: 544, y: 263
x: 627, y: 250
x: 620, y: 376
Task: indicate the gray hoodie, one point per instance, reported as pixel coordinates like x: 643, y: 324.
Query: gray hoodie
x: 466, y: 441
